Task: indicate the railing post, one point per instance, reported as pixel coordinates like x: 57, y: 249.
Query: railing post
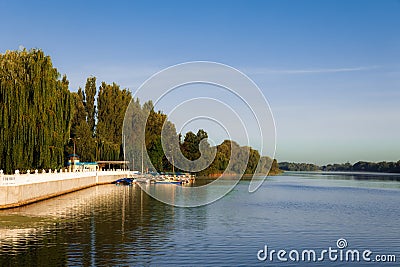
x: 16, y: 176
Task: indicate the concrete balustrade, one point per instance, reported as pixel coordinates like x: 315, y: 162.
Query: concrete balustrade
x: 21, y: 189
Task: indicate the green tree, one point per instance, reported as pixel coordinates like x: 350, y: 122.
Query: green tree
x: 190, y: 146
x: 254, y: 158
x: 36, y: 109
x: 90, y: 93
x: 81, y: 132
x: 112, y: 103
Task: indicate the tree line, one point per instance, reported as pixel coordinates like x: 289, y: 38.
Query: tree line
x: 365, y: 166
x: 293, y: 166
x: 229, y: 156
x: 360, y: 166
x: 42, y: 122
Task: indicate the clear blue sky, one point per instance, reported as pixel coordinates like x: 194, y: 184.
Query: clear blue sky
x: 330, y: 69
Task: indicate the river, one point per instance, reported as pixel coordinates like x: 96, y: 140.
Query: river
x: 121, y: 225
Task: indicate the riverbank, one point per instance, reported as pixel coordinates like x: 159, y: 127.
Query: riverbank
x: 20, y: 190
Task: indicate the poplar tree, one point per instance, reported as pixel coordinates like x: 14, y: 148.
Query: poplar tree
x: 112, y: 103
x: 90, y: 93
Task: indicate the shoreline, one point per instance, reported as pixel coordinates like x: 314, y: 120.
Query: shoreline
x: 23, y: 193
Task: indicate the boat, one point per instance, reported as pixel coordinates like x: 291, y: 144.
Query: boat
x: 125, y: 181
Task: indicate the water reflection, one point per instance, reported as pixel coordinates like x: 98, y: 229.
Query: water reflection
x: 204, y: 191
x: 121, y: 225
x: 370, y: 176
x: 95, y: 226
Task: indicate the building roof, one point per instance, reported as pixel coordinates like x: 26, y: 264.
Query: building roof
x: 82, y: 163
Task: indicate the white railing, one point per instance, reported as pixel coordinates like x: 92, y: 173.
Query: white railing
x: 30, y: 178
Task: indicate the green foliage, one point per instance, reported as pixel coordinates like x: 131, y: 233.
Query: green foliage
x: 254, y: 158
x: 81, y: 132
x: 135, y: 119
x: 364, y: 166
x: 41, y: 120
x: 361, y: 166
x: 136, y: 126
x: 112, y: 103
x: 90, y: 93
x: 36, y: 109
x: 154, y: 148
x: 190, y: 145
x: 234, y: 159
x: 292, y: 166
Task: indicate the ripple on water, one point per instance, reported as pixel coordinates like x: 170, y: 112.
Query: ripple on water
x: 111, y: 225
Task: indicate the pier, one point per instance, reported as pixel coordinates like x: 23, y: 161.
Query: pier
x: 22, y: 189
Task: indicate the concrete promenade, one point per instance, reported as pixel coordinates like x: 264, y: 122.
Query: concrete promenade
x: 22, y: 189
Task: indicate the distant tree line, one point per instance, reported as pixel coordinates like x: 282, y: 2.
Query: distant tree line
x: 292, y: 166
x: 230, y: 157
x: 361, y: 166
x: 42, y: 122
x: 364, y: 166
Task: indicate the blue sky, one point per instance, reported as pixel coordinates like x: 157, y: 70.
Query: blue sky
x: 329, y: 69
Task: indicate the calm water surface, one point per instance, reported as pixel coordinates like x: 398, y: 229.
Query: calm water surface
x: 122, y: 226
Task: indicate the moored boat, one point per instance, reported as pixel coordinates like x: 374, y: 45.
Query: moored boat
x: 125, y: 181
